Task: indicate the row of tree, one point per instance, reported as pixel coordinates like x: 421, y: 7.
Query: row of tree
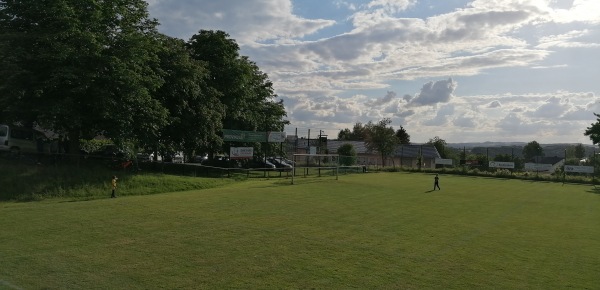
x: 382, y: 138
x: 84, y: 68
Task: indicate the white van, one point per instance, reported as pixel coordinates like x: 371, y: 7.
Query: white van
x: 18, y: 139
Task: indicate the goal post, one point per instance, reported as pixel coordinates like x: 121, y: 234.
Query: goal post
x: 311, y: 164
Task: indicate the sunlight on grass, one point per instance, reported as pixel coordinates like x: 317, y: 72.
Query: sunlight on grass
x: 384, y: 230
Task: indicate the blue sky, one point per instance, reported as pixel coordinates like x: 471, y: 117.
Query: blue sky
x: 466, y: 71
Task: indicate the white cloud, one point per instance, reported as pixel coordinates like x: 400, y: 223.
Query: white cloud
x: 580, y: 11
x: 566, y: 40
x: 247, y: 21
x: 435, y: 92
x: 370, y: 64
x: 389, y: 97
x: 442, y: 116
x: 552, y: 108
x: 391, y: 6
x: 495, y: 104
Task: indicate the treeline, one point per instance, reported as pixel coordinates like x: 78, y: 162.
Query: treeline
x: 381, y: 137
x: 84, y: 68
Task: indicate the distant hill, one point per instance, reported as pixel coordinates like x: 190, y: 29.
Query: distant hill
x: 516, y: 148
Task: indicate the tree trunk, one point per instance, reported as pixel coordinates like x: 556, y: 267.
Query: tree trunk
x: 73, y: 148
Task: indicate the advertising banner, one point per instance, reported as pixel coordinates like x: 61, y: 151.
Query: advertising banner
x: 443, y: 161
x: 538, y: 167
x: 252, y: 136
x: 501, y: 164
x: 277, y: 137
x: 241, y: 152
x: 579, y: 169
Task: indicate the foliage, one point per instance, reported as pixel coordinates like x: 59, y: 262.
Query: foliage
x: 93, y: 144
x: 347, y: 154
x: 246, y: 92
x: 195, y: 110
x: 358, y: 133
x: 440, y: 144
x: 402, y: 135
x: 81, y: 67
x: 577, y: 151
x: 381, y: 138
x: 594, y: 130
x: 531, y: 150
x: 24, y: 182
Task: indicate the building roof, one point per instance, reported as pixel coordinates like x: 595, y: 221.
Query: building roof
x: 408, y: 150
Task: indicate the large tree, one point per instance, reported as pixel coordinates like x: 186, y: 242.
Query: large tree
x: 594, y: 130
x: 81, y: 67
x: 403, y: 136
x: 195, y: 112
x: 358, y: 133
x: 439, y: 144
x: 532, y: 150
x: 381, y: 137
x: 347, y: 154
x: 246, y: 92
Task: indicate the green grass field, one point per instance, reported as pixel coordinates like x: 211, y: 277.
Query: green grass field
x: 363, y: 231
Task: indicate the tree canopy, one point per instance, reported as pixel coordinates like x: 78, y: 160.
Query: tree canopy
x: 247, y: 93
x: 358, y: 133
x: 381, y: 137
x: 81, y: 67
x: 531, y: 150
x: 347, y: 154
x: 439, y: 144
x: 85, y: 68
x: 402, y: 135
x: 593, y: 131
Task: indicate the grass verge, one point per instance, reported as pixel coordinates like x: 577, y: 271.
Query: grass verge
x: 27, y: 182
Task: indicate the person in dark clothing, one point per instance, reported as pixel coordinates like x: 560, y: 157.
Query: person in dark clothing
x: 436, y: 182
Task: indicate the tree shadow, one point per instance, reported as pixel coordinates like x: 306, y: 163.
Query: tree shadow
x: 594, y: 190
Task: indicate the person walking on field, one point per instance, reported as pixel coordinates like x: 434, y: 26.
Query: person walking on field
x: 436, y: 182
x: 114, y: 186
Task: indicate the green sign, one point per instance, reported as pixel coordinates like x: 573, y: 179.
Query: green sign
x: 252, y: 136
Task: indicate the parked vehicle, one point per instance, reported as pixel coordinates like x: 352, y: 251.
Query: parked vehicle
x: 143, y: 157
x: 280, y: 164
x: 109, y: 151
x: 18, y: 140
x: 259, y: 164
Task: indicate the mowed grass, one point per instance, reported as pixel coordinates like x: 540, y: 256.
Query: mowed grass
x: 364, y: 231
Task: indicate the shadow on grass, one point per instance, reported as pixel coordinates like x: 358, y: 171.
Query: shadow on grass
x: 594, y: 190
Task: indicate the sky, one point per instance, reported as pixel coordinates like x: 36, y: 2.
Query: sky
x: 461, y: 70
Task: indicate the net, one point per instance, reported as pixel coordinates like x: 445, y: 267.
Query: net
x: 319, y: 165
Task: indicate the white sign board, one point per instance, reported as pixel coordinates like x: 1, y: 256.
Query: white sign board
x: 443, y: 161
x: 500, y: 164
x: 241, y: 152
x: 277, y: 137
x: 579, y: 169
x: 313, y: 150
x: 538, y: 167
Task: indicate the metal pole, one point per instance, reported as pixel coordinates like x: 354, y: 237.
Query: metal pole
x: 564, y: 163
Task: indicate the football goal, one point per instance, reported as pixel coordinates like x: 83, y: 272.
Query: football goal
x: 315, y: 165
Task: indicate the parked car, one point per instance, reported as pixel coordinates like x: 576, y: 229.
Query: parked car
x: 200, y: 158
x: 18, y: 140
x: 178, y: 159
x: 280, y: 164
x: 259, y: 164
x: 109, y: 151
